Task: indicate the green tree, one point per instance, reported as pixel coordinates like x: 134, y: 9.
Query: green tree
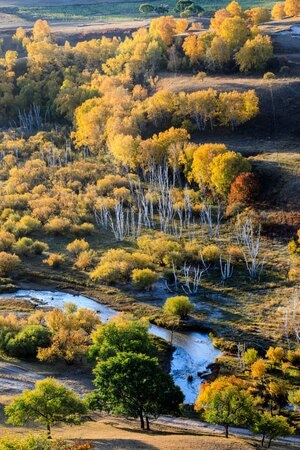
x: 135, y: 385
x: 225, y: 402
x: 271, y: 427
x: 28, y: 340
x: 48, y: 403
x: 122, y: 333
x: 250, y: 356
x: 146, y: 8
x: 179, y: 305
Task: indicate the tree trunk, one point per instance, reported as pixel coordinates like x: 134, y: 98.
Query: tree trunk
x: 263, y: 440
x: 142, y: 420
x: 49, y: 431
x: 226, y: 430
x: 269, y: 444
x: 147, y: 423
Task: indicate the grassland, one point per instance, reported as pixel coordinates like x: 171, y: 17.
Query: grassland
x: 107, y: 10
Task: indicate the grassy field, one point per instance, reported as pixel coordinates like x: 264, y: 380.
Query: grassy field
x: 102, y: 10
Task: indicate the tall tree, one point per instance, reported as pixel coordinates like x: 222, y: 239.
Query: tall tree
x: 225, y: 402
x: 48, y: 403
x: 135, y: 385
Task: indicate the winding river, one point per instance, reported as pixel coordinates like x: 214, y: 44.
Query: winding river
x: 193, y: 351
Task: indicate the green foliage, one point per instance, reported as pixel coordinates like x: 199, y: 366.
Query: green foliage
x: 271, y: 426
x: 250, y: 356
x: 48, y: 403
x: 121, y: 334
x: 135, y: 385
x: 178, y: 306
x: 28, y: 340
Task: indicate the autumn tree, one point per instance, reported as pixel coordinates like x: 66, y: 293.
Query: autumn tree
x: 135, y: 385
x: 234, y: 9
x: 258, y: 15
x: 193, y: 48
x: 237, y: 108
x: 244, y: 189
x: 225, y: 402
x: 258, y: 369
x: 278, y: 11
x: 255, y: 53
x: 292, y: 7
x: 217, y: 54
x: 48, y: 403
x: 225, y: 168
x: 275, y: 355
x: 234, y: 32
x: 202, y: 157
x: 41, y: 31
x: 164, y: 28
x: 203, y: 106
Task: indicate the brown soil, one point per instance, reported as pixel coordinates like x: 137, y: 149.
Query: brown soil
x: 115, y: 433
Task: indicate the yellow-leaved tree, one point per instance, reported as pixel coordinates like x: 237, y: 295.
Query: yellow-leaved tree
x: 224, y: 170
x: 255, y: 54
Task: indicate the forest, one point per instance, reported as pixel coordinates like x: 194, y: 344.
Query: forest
x: 140, y: 195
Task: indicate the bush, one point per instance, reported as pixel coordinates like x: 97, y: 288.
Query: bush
x: 178, y: 306
x: 27, y: 225
x: 293, y: 356
x: 144, y: 278
x: 269, y: 76
x: 211, y: 253
x: 77, y: 246
x: 6, y: 241
x: 84, y: 260
x: 38, y: 247
x: 55, y: 260
x: 8, y: 263
x: 58, y: 225
x: 85, y: 229
x: 28, y: 340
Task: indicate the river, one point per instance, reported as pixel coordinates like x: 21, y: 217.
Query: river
x: 193, y: 351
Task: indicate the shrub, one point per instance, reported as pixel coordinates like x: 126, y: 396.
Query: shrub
x: 178, y: 306
x: 269, y: 76
x: 293, y: 356
x: 85, y: 229
x: 8, y: 263
x: 38, y: 247
x: 6, y: 241
x: 235, y: 253
x: 244, y: 189
x: 58, y: 225
x: 250, y: 356
x: 211, y: 253
x: 144, y: 278
x: 27, y: 225
x: 84, y: 260
x: 275, y: 355
x: 54, y: 260
x: 77, y: 246
x: 28, y: 340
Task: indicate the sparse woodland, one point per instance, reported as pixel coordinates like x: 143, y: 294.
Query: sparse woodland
x: 105, y: 183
